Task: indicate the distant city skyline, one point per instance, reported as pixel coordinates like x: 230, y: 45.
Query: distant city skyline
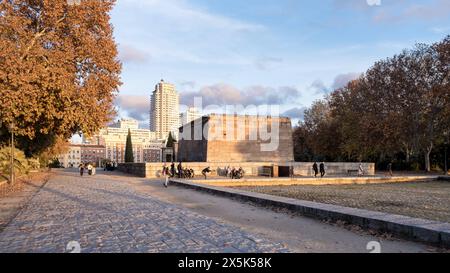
x: 281, y: 52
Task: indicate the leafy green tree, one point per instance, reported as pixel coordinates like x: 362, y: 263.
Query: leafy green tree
x: 21, y: 164
x: 129, y: 158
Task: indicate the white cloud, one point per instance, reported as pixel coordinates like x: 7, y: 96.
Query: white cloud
x: 264, y: 63
x: 440, y: 30
x: 296, y: 113
x: 343, y: 79
x: 136, y: 107
x: 226, y: 94
x: 130, y: 54
x: 185, y: 14
x: 177, y: 31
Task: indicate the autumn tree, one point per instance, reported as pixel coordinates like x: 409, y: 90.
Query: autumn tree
x: 400, y: 105
x: 59, y: 71
x: 317, y: 137
x: 302, y: 149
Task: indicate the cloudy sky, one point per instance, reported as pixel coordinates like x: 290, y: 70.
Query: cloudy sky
x: 285, y: 52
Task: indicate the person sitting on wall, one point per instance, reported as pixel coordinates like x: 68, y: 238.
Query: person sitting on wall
x: 172, y: 170
x: 206, y: 171
x: 180, y: 170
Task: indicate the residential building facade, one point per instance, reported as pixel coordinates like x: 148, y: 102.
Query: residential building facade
x: 71, y: 159
x: 93, y: 154
x: 146, y: 147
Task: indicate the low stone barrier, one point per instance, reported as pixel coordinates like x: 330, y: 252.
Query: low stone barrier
x: 337, y: 180
x: 444, y: 178
x: 427, y: 231
x: 136, y: 169
x: 153, y: 170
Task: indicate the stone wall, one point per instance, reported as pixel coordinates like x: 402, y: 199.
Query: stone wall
x: 233, y: 138
x: 137, y: 169
x: 153, y: 170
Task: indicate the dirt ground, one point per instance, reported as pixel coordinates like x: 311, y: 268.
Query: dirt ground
x: 427, y: 200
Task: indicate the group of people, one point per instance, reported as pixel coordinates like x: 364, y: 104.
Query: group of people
x: 176, y: 171
x: 234, y: 173
x: 110, y: 166
x: 317, y: 168
x: 89, y: 167
x: 321, y: 168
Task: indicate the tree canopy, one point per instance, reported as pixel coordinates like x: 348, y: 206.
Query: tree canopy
x: 59, y: 71
x: 399, y: 106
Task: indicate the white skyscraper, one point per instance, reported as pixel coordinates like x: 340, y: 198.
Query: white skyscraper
x: 191, y: 114
x: 164, y: 110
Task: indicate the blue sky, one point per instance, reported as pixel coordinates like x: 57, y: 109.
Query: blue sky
x: 286, y: 52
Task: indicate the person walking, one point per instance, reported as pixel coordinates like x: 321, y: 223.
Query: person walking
x: 322, y: 169
x: 206, y: 171
x: 390, y: 169
x: 165, y: 173
x: 360, y: 170
x: 81, y: 167
x: 315, y: 169
x: 89, y: 168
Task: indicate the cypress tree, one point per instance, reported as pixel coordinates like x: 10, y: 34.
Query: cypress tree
x: 129, y: 158
x: 170, y: 141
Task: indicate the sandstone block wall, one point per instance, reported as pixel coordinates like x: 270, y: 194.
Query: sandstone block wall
x: 232, y: 138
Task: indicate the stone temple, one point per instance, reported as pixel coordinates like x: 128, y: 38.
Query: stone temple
x: 236, y: 138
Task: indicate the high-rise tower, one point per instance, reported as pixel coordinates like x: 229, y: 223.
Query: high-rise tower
x: 164, y: 110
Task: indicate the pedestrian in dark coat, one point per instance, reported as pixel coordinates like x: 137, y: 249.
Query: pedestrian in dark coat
x: 315, y: 169
x: 172, y: 170
x: 390, y: 169
x: 322, y: 169
x: 180, y: 170
x: 81, y: 167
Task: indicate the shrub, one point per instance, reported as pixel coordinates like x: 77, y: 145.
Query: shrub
x: 22, y: 165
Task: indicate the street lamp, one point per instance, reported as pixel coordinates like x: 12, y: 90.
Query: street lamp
x: 11, y: 173
x: 445, y: 153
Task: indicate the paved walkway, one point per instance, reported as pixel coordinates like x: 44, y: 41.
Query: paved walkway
x: 107, y: 215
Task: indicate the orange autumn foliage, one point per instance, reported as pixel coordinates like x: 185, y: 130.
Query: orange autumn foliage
x: 59, y: 72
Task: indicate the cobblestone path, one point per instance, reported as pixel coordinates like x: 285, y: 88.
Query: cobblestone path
x: 109, y: 215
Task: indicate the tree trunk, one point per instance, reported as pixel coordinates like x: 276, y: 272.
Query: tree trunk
x: 427, y: 157
x: 408, y: 153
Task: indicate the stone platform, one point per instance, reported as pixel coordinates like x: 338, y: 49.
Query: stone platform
x: 336, y: 180
x: 252, y: 169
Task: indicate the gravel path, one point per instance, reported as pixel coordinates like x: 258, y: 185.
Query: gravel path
x: 428, y: 200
